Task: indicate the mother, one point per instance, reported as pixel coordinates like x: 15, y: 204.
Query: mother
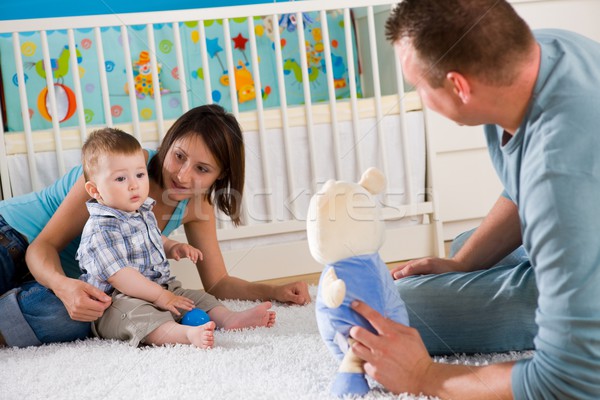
x: 198, y: 168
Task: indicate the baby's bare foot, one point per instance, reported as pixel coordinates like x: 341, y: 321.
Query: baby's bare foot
x: 202, y: 336
x: 251, y: 318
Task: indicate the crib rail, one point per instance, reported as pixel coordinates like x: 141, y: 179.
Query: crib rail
x: 202, y: 14
x: 353, y: 109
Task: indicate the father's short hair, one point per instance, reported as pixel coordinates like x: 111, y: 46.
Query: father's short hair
x: 482, y: 38
x: 106, y: 141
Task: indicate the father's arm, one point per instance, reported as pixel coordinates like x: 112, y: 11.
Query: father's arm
x: 397, y: 358
x: 497, y: 236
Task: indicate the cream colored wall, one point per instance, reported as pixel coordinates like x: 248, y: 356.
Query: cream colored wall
x: 465, y: 184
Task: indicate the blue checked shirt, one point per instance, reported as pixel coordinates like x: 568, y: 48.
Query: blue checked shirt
x: 114, y: 239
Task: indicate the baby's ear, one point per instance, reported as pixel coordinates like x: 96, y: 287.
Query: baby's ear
x: 92, y: 190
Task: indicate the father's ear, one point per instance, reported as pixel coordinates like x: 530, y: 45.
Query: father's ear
x: 92, y: 190
x: 460, y: 85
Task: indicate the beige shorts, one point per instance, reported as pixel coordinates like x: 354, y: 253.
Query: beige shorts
x: 131, y: 319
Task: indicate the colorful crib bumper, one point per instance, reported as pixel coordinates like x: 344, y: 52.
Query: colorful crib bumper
x: 40, y: 109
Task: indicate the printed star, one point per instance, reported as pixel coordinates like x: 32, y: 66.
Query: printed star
x: 212, y: 46
x: 239, y: 42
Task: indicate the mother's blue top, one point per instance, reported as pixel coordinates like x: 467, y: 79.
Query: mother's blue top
x: 30, y: 213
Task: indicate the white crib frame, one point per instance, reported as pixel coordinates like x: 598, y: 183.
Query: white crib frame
x: 262, y: 262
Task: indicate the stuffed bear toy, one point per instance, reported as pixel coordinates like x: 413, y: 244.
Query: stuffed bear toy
x: 345, y: 231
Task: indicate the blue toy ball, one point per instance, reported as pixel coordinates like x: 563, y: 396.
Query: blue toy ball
x: 195, y: 317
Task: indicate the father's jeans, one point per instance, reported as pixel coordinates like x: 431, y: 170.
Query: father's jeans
x: 485, y: 311
x: 30, y: 314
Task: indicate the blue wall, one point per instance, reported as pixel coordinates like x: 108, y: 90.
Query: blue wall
x: 21, y: 9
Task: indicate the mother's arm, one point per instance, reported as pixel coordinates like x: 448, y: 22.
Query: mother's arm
x: 83, y: 301
x: 201, y: 232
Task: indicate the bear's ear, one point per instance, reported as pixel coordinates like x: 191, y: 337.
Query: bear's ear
x: 323, y: 196
x: 373, y: 180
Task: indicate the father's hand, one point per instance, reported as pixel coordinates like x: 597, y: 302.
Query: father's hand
x: 396, y: 357
x: 423, y: 266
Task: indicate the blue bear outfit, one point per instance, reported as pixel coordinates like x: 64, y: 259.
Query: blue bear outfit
x: 367, y: 279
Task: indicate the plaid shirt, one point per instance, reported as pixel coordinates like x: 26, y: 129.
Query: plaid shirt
x: 114, y: 239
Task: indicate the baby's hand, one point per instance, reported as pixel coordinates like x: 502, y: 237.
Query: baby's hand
x: 184, y: 250
x: 170, y: 302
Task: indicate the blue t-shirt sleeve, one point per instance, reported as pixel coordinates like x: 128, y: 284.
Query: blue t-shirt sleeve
x: 566, y: 255
x: 562, y: 221
x: 506, y: 195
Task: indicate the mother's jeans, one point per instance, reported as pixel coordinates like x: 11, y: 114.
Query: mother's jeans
x: 30, y: 314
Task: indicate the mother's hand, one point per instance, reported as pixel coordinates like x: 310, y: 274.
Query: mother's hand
x: 295, y: 293
x: 429, y: 265
x: 83, y: 301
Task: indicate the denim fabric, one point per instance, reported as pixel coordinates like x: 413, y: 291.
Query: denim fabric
x: 485, y: 311
x: 13, y: 326
x: 47, y: 315
x: 30, y: 314
x: 12, y: 257
x: 33, y: 315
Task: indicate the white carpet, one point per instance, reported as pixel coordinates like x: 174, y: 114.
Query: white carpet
x: 288, y: 361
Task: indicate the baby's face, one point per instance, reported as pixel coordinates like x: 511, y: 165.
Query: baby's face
x: 122, y: 181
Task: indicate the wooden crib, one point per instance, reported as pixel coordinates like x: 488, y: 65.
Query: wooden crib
x: 315, y: 86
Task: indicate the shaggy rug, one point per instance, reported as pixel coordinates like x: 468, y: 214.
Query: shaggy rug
x: 288, y: 361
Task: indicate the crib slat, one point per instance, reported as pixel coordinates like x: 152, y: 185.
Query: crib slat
x: 76, y: 85
x: 181, y: 75
x: 360, y: 165
x: 4, y: 175
x: 377, y: 94
x: 307, y: 100
x: 103, y: 78
x: 332, y: 100
x: 235, y: 108
x: 209, y: 99
x: 256, y: 75
x: 156, y: 82
x: 51, y: 94
x: 205, y: 67
x: 135, y: 118
x: 33, y: 173
x: 287, y: 145
x: 262, y: 134
x: 411, y: 197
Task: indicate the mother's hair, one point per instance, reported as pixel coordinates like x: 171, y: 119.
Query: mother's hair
x: 222, y: 134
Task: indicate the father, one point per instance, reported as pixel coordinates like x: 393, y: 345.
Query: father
x: 538, y: 94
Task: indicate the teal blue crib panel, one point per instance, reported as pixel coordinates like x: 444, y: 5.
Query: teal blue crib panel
x: 115, y: 67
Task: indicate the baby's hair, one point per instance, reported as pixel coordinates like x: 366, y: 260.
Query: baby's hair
x: 106, y: 141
